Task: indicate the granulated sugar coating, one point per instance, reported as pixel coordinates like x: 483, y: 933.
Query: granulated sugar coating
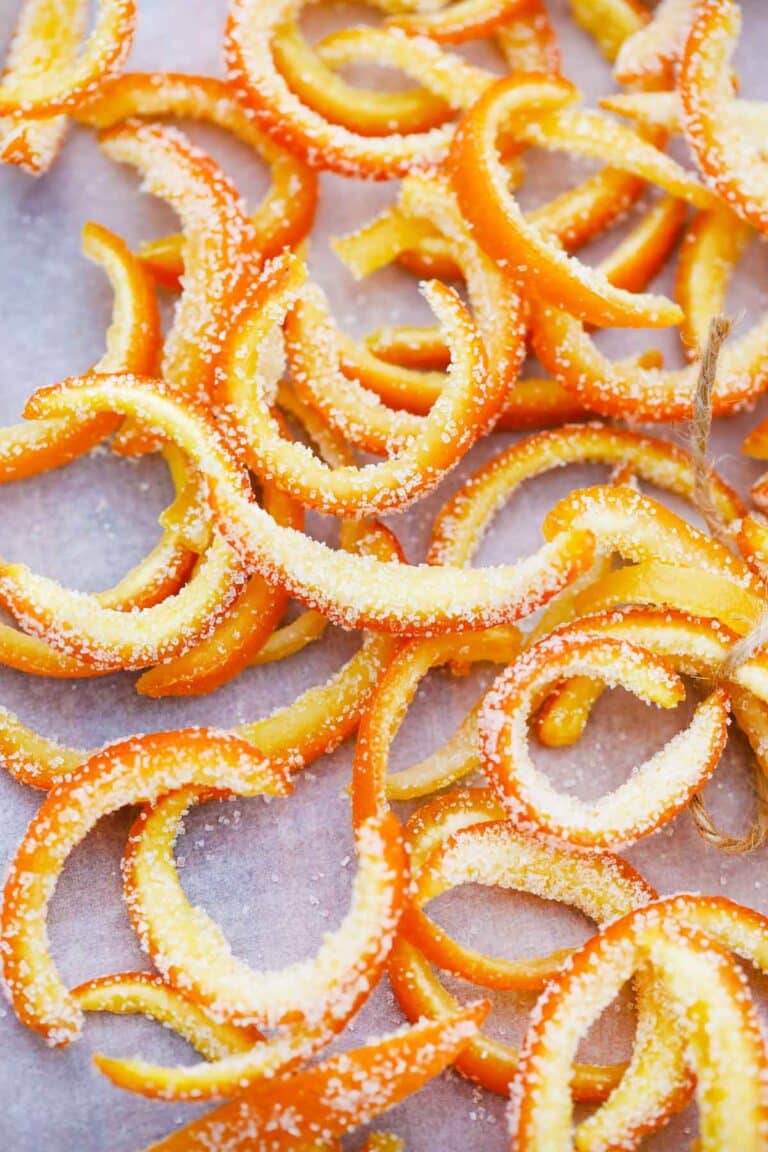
x: 382, y: 817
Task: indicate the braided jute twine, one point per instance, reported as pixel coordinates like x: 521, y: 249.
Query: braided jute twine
x: 744, y: 648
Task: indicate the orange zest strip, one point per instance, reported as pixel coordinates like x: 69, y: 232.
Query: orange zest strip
x: 133, y: 342
x: 292, y: 737
x: 218, y: 249
x: 387, y: 708
x: 41, y: 92
x: 463, y: 838
x: 312, y: 1000
x: 284, y: 216
x: 730, y: 157
x: 715, y: 1015
x: 137, y: 770
x: 333, y: 1097
x: 634, y: 809
x: 500, y: 227
x: 461, y: 523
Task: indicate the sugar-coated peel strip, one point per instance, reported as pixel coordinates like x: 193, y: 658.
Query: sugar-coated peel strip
x: 716, y: 1017
x: 44, y: 92
x: 501, y: 228
x: 47, y: 37
x: 133, y: 343
x: 692, y: 644
x: 388, y: 706
x: 227, y: 648
x: 349, y: 405
x: 193, y: 955
x: 136, y: 770
x: 711, y: 249
x: 419, y: 991
x: 655, y: 792
x: 466, y: 409
x: 653, y: 393
x: 639, y: 528
x: 333, y: 1097
x: 463, y: 838
x: 128, y: 993
x: 353, y: 591
x: 76, y: 624
x: 292, y: 737
x: 252, y: 621
x: 650, y: 54
x: 313, y: 999
x: 730, y: 157
x: 462, y: 521
x: 609, y: 22
x: 284, y: 216
x: 603, y: 887
x: 310, y: 73
x: 594, y: 135
x: 250, y: 30
x: 219, y: 255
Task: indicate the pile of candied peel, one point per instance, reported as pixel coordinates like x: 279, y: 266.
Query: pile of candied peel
x: 259, y: 404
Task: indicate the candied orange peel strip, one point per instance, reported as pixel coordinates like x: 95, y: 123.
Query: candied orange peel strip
x: 655, y: 792
x: 47, y: 37
x: 136, y: 770
x: 466, y: 409
x: 41, y: 91
x: 333, y: 1097
x: 523, y: 250
x: 727, y: 153
x: 219, y: 254
x: 284, y: 216
x: 353, y: 591
x: 133, y: 342
x: 653, y: 393
x: 708, y: 995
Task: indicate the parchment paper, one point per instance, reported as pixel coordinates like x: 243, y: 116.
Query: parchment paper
x: 279, y: 876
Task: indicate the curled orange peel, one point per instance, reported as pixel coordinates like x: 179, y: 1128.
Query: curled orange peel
x: 47, y: 37
x: 707, y: 994
x: 653, y: 393
x: 465, y: 411
x: 129, y: 993
x: 351, y: 590
x: 133, y: 342
x: 655, y: 792
x: 523, y: 250
x: 42, y: 91
x: 219, y: 254
x: 728, y: 154
x: 333, y: 1097
x: 251, y: 29
x: 282, y: 218
x: 314, y: 724
x: 136, y: 770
